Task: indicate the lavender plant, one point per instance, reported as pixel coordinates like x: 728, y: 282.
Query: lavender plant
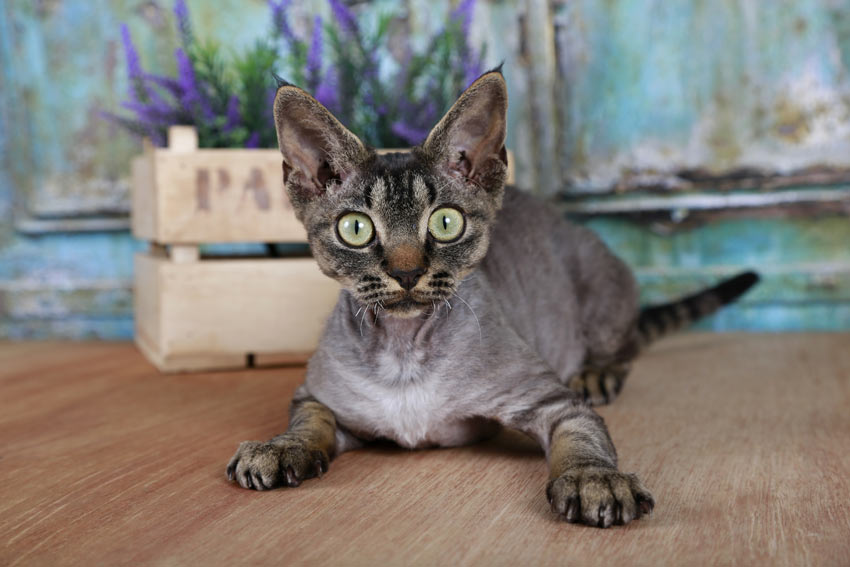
x: 229, y: 99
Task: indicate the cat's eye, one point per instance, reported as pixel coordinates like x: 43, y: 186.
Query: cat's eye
x: 446, y: 224
x: 355, y: 229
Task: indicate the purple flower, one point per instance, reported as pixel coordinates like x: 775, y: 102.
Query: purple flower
x: 181, y: 12
x: 326, y: 93
x: 234, y: 117
x: 464, y: 13
x: 156, y: 134
x: 409, y: 133
x: 344, y: 17
x: 314, y: 56
x: 157, y: 113
x: 472, y: 65
x: 253, y: 140
x: 280, y: 20
x: 185, y: 73
x: 134, y: 67
x: 168, y: 83
x: 430, y: 114
x: 470, y: 60
x: 192, y: 96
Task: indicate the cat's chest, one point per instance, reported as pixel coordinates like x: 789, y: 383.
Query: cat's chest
x: 405, y: 396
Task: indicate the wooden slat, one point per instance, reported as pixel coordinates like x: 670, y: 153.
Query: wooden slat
x: 143, y: 216
x: 743, y: 439
x: 223, y: 196
x: 213, y: 313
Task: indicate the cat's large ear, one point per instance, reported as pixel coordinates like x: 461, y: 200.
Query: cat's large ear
x: 469, y: 141
x: 316, y: 147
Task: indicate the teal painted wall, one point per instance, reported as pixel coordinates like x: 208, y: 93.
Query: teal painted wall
x: 610, y: 101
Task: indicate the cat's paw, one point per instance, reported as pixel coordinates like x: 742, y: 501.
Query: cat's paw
x: 286, y: 462
x: 598, y: 497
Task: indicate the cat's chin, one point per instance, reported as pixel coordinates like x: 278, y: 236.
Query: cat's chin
x: 407, y: 308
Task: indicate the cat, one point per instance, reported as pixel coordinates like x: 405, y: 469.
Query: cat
x: 467, y: 306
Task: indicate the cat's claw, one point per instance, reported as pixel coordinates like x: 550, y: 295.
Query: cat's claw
x: 599, y: 497
x: 284, y: 462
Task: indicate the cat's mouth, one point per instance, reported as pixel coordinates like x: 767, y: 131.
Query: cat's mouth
x: 407, y: 306
x: 413, y: 304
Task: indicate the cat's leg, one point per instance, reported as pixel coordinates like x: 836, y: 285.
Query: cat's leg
x: 584, y: 483
x: 599, y: 384
x: 303, y: 452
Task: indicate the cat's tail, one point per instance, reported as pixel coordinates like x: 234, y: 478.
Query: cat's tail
x: 658, y: 320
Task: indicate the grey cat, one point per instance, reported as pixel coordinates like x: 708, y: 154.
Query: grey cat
x: 467, y: 306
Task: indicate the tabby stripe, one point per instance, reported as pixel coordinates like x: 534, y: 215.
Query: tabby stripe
x: 658, y: 320
x: 367, y: 195
x: 529, y: 415
x: 432, y: 192
x: 558, y: 421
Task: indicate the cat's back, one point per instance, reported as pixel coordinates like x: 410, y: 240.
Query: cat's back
x: 532, y: 244
x: 557, y: 282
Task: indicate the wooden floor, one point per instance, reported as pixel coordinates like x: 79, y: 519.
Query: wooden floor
x: 743, y: 439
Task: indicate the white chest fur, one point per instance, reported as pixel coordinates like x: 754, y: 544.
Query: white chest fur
x: 405, y: 399
x: 410, y: 413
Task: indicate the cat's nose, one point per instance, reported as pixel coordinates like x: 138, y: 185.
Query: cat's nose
x: 407, y: 278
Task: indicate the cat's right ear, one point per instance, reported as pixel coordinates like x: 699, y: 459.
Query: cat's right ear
x: 317, y: 149
x: 469, y: 142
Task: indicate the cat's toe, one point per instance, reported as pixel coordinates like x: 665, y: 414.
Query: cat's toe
x: 598, y: 497
x: 263, y: 466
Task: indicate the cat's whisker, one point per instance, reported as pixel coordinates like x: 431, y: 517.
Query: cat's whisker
x: 366, y: 310
x: 477, y: 322
x: 447, y: 303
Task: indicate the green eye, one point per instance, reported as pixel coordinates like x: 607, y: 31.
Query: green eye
x: 355, y: 229
x: 446, y: 224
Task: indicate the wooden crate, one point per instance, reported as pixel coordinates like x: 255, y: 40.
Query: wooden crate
x: 195, y: 313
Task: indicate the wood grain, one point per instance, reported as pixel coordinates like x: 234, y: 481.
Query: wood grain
x: 743, y: 439
x: 210, y: 314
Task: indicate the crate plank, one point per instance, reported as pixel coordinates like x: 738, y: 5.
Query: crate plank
x: 230, y: 195
x: 143, y: 218
x: 146, y: 302
x: 213, y: 313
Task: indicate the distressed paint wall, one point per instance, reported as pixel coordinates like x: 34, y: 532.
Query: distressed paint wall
x: 654, y: 88
x: 607, y: 99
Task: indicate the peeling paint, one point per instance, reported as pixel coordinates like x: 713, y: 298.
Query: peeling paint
x: 612, y: 101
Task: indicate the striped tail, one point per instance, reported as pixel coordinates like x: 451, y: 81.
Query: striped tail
x: 657, y: 321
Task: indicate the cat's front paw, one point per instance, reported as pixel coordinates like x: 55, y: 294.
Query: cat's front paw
x: 598, y: 497
x: 284, y: 462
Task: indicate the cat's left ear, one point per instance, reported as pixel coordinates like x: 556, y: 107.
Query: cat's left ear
x: 317, y: 149
x: 469, y: 142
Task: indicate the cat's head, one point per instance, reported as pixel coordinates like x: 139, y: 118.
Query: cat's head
x: 399, y: 230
